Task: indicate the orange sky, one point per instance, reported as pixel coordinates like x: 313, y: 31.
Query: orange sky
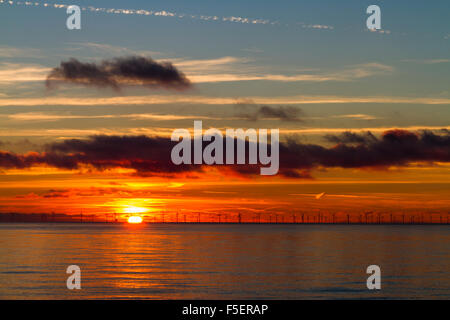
x: 414, y: 190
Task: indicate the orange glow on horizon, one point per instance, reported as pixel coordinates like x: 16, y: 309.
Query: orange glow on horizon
x: 133, y: 209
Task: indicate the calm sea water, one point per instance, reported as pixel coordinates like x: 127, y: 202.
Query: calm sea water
x: 223, y: 261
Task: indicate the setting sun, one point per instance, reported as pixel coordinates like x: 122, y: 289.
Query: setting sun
x: 135, y: 219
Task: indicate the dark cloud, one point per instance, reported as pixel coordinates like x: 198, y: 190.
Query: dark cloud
x: 56, y: 194
x: 393, y: 148
x: 146, y: 155
x: 150, y: 156
x: 351, y: 137
x: 283, y: 113
x: 20, y: 145
x: 119, y: 72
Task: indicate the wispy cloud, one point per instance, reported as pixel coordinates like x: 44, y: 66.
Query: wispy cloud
x: 40, y: 116
x: 13, y: 52
x: 197, y: 65
x: 427, y: 61
x: 380, y: 31
x: 228, y: 69
x: 167, y: 131
x: 316, y: 26
x: 189, y: 99
x: 107, y: 49
x: 14, y: 72
x: 357, y: 116
x: 223, y: 69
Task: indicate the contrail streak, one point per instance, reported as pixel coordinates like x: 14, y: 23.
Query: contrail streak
x: 142, y: 12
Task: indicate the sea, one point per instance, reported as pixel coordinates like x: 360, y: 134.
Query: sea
x: 223, y: 261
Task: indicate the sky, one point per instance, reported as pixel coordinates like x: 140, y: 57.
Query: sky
x: 363, y: 115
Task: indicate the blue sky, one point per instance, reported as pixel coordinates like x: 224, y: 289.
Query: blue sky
x: 406, y: 65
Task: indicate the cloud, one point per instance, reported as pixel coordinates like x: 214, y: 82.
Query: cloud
x: 155, y: 13
x: 427, y: 61
x: 174, y: 15
x: 103, y: 49
x: 40, y: 116
x: 240, y: 72
x: 381, y: 31
x: 190, y: 99
x: 435, y: 61
x: 358, y: 116
x: 365, y: 70
x: 282, y: 113
x: 145, y: 155
x: 202, y: 65
x: 197, y: 99
x: 56, y: 194
x: 393, y: 148
x: 167, y: 131
x: 223, y: 69
x: 150, y: 156
x: 316, y: 26
x: 351, y: 137
x: 119, y: 72
x: 13, y: 52
x: 14, y: 72
x: 231, y: 69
